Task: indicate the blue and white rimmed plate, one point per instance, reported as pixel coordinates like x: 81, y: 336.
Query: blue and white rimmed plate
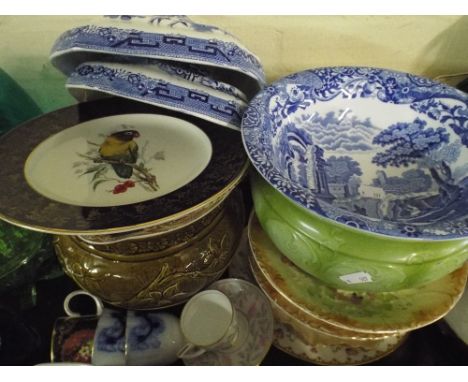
x: 378, y: 150
x: 177, y: 87
x: 174, y: 38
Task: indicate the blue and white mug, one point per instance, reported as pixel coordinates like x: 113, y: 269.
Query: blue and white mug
x: 132, y: 337
x: 152, y: 338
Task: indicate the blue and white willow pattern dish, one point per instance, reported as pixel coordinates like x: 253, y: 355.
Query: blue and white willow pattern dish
x: 375, y: 149
x: 165, y: 37
x: 176, y: 87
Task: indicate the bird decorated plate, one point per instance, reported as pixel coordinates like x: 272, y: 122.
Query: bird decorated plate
x: 378, y: 150
x: 178, y: 87
x: 174, y: 38
x: 117, y: 160
x: 113, y: 166
x: 369, y: 312
x: 249, y: 300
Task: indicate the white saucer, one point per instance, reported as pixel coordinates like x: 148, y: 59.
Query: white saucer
x: 250, y: 301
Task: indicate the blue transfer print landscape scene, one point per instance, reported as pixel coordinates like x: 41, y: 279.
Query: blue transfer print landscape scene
x: 374, y: 149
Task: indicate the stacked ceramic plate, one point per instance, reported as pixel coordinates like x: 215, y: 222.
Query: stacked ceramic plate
x: 326, y: 325
x: 139, y: 183
x: 361, y: 187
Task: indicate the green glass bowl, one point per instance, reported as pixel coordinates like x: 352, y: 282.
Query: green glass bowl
x: 20, y: 256
x: 348, y: 260
x: 356, y: 243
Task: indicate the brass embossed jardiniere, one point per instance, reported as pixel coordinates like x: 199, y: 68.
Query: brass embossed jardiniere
x: 139, y: 243
x: 155, y: 279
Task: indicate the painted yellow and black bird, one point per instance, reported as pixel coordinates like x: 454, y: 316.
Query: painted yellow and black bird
x: 120, y: 147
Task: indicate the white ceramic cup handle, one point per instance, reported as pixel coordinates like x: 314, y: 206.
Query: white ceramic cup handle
x: 190, y: 351
x: 71, y: 313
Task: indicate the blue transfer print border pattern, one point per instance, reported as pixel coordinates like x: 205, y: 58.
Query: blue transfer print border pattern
x: 262, y: 120
x: 195, y: 74
x: 137, y: 43
x: 138, y: 86
x: 111, y: 339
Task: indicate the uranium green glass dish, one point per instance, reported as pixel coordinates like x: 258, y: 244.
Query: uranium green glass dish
x: 347, y: 260
x: 359, y: 244
x: 20, y: 256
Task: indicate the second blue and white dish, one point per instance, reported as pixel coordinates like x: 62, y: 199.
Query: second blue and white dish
x: 175, y: 87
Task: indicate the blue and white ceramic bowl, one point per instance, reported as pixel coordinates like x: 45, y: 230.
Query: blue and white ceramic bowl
x: 183, y: 88
x: 378, y: 150
x: 174, y: 38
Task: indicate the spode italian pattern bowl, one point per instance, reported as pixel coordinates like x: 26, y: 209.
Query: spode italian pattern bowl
x: 377, y: 150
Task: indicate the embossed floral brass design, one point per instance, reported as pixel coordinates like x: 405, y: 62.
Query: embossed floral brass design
x: 157, y: 242
x: 158, y: 279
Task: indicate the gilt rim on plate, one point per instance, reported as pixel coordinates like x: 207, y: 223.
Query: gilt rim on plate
x: 22, y: 206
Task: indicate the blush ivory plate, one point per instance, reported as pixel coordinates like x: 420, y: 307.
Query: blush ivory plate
x: 242, y: 266
x: 385, y: 312
x: 379, y: 151
x: 290, y: 341
x: 113, y: 166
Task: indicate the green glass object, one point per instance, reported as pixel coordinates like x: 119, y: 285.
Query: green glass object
x: 21, y: 255
x: 340, y: 258
x: 16, y: 106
